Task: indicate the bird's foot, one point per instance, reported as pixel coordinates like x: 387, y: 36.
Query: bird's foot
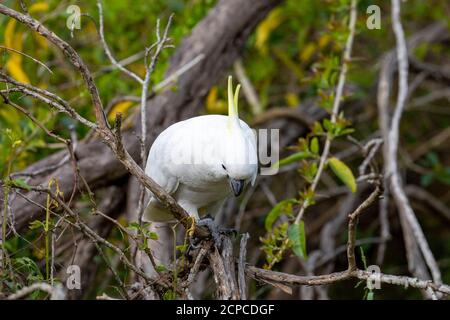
x: 209, y: 223
x: 217, y: 232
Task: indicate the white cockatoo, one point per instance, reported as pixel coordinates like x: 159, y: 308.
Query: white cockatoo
x: 201, y: 161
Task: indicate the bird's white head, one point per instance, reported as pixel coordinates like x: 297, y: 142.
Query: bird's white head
x: 239, y: 156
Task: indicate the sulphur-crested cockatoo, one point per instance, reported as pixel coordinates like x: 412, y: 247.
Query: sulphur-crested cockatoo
x: 201, y: 161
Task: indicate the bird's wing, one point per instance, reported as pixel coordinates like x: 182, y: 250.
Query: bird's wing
x: 155, y: 211
x: 157, y: 169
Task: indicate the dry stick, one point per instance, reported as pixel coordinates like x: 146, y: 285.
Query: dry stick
x: 229, y: 264
x: 247, y: 88
x: 56, y: 293
x: 61, y: 108
x: 426, y: 197
x: 32, y: 118
x: 7, y: 79
x: 129, y: 234
x: 111, y: 268
x: 198, y: 261
x: 352, y: 227
x: 221, y: 278
x: 290, y: 279
x: 108, y: 51
x: 241, y: 267
x: 337, y: 100
x: 149, y: 68
x: 28, y: 56
x: 400, y: 198
x: 383, y: 114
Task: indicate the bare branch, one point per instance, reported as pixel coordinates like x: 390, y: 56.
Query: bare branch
x: 108, y: 51
x: 28, y: 56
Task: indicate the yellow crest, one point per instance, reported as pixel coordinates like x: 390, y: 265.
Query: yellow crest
x: 233, y: 114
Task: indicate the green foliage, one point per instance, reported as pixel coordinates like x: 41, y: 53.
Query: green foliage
x: 274, y: 244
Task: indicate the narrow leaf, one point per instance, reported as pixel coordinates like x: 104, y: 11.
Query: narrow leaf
x: 343, y: 172
x: 314, y: 147
x: 292, y: 158
x: 296, y: 233
x: 21, y: 184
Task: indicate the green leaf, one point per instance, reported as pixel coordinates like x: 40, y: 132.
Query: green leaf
x: 36, y: 224
x: 343, y: 172
x: 169, y: 295
x: 296, y: 233
x: 292, y: 158
x: 182, y: 248
x: 134, y: 225
x: 21, y: 184
x: 327, y: 124
x: 314, y: 147
x: 273, y: 215
x: 369, y: 295
x: 161, y: 268
x: 152, y: 235
x: 426, y: 179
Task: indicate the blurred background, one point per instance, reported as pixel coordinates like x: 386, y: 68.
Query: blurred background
x: 290, y: 60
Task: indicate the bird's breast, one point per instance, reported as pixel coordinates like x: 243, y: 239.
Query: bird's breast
x: 204, y: 194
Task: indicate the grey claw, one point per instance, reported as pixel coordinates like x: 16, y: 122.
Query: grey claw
x: 213, y: 228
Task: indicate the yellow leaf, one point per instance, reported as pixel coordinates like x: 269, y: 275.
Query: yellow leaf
x: 213, y: 104
x: 211, y: 99
x: 122, y: 107
x: 9, y: 33
x: 15, y: 69
x: 39, y: 253
x: 324, y: 41
x: 307, y: 52
x: 38, y: 6
x: 343, y: 172
x: 14, y: 64
x: 292, y: 100
x: 264, y: 29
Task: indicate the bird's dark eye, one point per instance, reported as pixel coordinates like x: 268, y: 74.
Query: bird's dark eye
x: 224, y: 168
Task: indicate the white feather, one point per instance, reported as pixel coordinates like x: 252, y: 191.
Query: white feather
x: 187, y: 160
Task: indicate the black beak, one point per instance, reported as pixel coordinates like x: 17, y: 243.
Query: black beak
x: 237, y: 186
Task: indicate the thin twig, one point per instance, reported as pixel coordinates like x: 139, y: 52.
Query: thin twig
x: 108, y: 51
x: 352, y: 226
x: 28, y: 56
